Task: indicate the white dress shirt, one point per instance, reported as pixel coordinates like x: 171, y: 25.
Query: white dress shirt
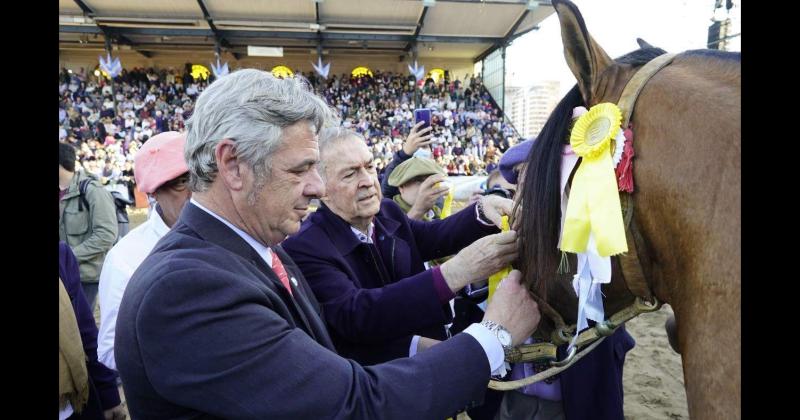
x: 263, y: 251
x: 120, y: 263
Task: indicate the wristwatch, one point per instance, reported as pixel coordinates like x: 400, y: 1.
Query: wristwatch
x: 502, y: 334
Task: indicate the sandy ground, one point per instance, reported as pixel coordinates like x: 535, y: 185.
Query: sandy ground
x: 652, y: 377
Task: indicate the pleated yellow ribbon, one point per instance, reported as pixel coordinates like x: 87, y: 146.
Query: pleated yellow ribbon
x: 593, y: 205
x: 447, y: 206
x: 495, y: 278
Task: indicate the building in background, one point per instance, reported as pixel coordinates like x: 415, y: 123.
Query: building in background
x: 528, y: 107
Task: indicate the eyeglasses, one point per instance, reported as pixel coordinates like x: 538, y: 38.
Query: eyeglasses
x: 502, y: 192
x: 178, y: 184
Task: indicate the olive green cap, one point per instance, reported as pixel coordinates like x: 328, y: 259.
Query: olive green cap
x: 413, y: 168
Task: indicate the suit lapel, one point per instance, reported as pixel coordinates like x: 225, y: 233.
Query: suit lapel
x: 212, y: 230
x: 304, y: 300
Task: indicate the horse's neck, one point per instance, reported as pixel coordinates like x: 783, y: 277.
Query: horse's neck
x: 687, y: 170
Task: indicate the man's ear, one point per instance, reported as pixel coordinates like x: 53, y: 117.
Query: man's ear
x: 228, y: 165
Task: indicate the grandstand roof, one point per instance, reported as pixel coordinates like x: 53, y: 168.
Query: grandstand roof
x: 447, y: 29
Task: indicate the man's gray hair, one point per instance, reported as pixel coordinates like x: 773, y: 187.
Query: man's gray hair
x: 329, y: 137
x: 250, y: 107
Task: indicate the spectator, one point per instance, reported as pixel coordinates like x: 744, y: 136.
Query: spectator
x: 162, y: 173
x: 87, y: 388
x: 418, y: 181
x: 87, y: 222
x: 152, y: 101
x: 364, y: 258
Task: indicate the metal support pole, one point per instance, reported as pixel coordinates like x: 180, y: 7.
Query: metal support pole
x: 417, y: 90
x: 113, y: 83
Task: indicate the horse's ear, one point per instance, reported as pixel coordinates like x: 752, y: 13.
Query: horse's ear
x: 643, y: 44
x: 585, y: 57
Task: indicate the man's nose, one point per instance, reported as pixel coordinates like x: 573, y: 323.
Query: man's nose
x: 315, y: 186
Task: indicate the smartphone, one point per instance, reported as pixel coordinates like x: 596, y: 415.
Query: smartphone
x: 423, y: 114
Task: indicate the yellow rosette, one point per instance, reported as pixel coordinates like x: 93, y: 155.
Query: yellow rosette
x: 593, y: 205
x: 495, y: 278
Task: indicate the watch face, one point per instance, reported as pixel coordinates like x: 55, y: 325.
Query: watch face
x: 504, y: 336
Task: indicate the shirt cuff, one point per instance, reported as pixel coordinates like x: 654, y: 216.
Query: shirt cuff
x: 491, y: 346
x: 442, y: 289
x: 412, y: 349
x: 478, y: 216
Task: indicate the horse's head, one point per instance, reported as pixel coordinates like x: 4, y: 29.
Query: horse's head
x: 600, y: 79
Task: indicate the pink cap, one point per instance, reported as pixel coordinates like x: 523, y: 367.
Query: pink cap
x: 159, y: 160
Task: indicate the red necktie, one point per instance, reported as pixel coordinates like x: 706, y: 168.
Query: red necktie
x: 277, y: 267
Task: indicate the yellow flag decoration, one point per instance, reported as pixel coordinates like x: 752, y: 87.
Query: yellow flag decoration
x: 593, y: 205
x: 495, y: 278
x: 447, y: 206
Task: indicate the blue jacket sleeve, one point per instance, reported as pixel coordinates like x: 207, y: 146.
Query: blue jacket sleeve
x: 104, y: 379
x: 440, y: 238
x: 398, y: 158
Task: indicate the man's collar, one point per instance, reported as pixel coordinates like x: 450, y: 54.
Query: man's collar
x: 364, y: 238
x: 260, y: 249
x: 343, y: 235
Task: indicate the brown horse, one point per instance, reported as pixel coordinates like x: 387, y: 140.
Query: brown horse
x: 686, y: 204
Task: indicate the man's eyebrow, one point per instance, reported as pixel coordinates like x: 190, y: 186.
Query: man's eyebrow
x: 304, y: 163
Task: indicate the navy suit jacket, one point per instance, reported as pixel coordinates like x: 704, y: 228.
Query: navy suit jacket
x: 374, y: 304
x: 206, y: 330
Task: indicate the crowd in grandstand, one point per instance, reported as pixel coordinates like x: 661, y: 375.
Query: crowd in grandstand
x: 108, y: 122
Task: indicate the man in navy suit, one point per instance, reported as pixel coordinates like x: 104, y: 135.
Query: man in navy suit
x: 364, y: 258
x: 218, y: 322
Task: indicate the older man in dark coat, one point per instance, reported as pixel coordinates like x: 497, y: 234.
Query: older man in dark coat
x: 364, y: 258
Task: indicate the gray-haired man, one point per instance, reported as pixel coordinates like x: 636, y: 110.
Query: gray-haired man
x: 218, y: 322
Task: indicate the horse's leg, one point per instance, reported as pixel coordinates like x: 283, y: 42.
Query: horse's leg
x: 709, y: 343
x: 672, y: 333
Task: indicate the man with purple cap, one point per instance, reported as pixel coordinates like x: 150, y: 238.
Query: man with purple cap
x: 513, y: 160
x: 590, y: 389
x: 160, y: 171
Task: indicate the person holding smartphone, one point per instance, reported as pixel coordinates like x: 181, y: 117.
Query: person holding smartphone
x: 418, y: 139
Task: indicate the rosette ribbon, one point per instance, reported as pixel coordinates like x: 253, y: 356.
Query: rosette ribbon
x: 594, y: 206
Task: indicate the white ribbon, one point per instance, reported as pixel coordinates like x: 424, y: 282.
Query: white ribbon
x: 593, y: 272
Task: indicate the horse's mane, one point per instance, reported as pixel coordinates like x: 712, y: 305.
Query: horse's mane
x: 539, y: 229
x: 721, y: 55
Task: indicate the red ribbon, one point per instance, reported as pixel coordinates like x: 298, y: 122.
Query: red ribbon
x: 624, y: 170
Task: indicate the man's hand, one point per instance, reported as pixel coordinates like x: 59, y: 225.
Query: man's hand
x: 427, y: 195
x: 417, y: 138
x: 481, y: 259
x: 495, y: 207
x: 117, y: 413
x: 514, y: 309
x: 475, y: 196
